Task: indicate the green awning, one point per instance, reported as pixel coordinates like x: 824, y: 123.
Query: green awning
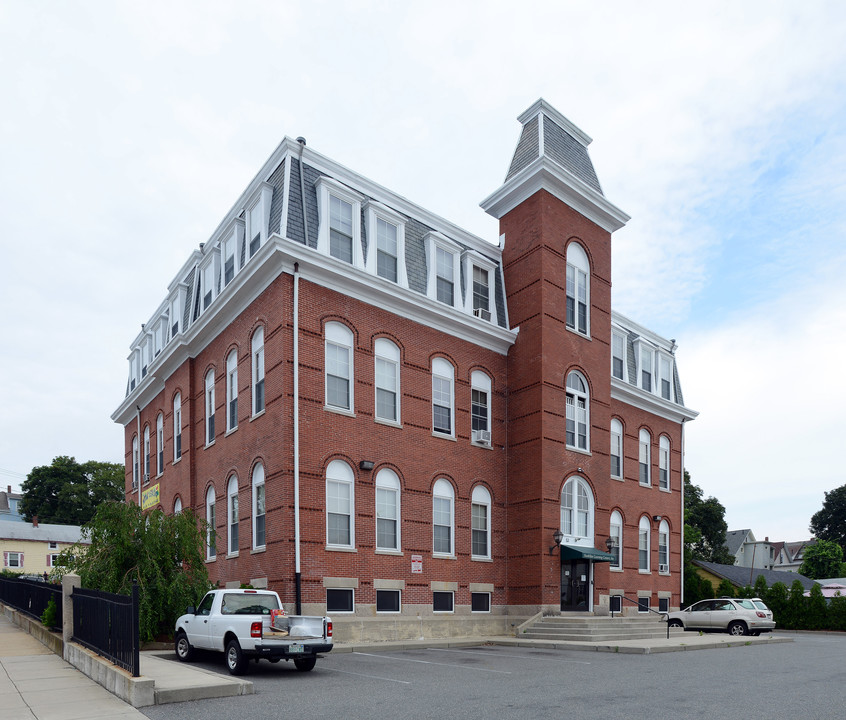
x: 578, y: 552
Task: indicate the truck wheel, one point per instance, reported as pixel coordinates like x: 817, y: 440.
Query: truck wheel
x: 305, y: 664
x: 236, y: 663
x: 183, y: 648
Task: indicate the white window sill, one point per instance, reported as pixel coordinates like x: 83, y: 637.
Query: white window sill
x: 443, y: 612
x: 208, y: 445
x: 480, y: 558
x: 649, y: 485
x: 258, y: 414
x: 232, y: 555
x: 261, y: 549
x: 573, y: 330
x: 340, y: 548
x: 176, y: 462
x: 230, y: 431
x: 484, y: 446
x: 666, y: 490
x: 616, y: 569
x: 443, y: 556
x: 389, y: 423
x: 617, y: 478
x: 338, y: 410
x: 443, y: 436
x: 397, y: 553
x: 574, y: 449
x: 211, y: 560
x: 645, y: 572
x: 665, y: 574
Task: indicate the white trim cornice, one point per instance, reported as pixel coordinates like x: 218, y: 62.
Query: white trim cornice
x: 634, y: 396
x: 545, y: 173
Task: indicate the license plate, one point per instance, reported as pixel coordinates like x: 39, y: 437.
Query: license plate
x: 295, y: 648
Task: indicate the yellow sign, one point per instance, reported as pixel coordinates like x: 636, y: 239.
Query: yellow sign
x: 150, y: 497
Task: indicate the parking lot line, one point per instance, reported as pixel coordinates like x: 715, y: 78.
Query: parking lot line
x: 545, y: 658
x: 429, y: 662
x: 372, y: 677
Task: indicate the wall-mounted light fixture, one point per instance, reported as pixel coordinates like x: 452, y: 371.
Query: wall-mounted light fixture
x: 365, y: 465
x: 556, y: 537
x: 657, y: 518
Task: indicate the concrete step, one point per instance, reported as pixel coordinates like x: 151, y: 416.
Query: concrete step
x: 591, y: 628
x: 596, y: 637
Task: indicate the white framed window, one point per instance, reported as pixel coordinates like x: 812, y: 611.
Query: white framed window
x: 664, y: 463
x: 480, y: 408
x: 231, y: 257
x: 232, y: 390
x: 159, y: 444
x: 134, y: 364
x: 211, y: 532
x: 145, y: 357
x: 616, y: 535
x: 386, y: 244
x: 616, y: 448
x: 387, y: 374
x: 13, y: 560
x: 480, y: 523
x: 175, y: 312
x: 52, y: 559
x: 135, y: 462
x: 619, y: 368
x: 442, y: 259
x: 257, y: 351
x: 177, y: 427
x: 259, y: 513
x: 177, y: 505
x: 209, y: 275
x: 643, y: 532
x: 340, y: 600
x: 339, y: 366
x: 339, y: 233
x: 443, y: 601
x: 388, y: 601
x: 578, y: 289
x: 232, y: 515
x: 578, y: 411
x: 577, y: 510
x: 479, y: 274
x: 146, y: 454
x: 443, y: 397
x: 646, y: 367
x: 443, y: 518
x: 387, y: 510
x: 664, y: 547
x: 209, y: 407
x: 644, y: 452
x: 340, y: 505
x: 480, y: 602
x: 52, y: 545
x: 258, y: 216
x: 665, y: 376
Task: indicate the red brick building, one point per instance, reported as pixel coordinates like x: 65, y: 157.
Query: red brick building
x: 387, y: 417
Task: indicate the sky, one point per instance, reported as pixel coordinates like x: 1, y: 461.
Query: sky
x: 129, y: 129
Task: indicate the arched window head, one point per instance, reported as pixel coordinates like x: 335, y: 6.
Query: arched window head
x: 644, y: 452
x: 258, y: 507
x: 480, y: 407
x: 578, y: 289
x: 664, y: 462
x: 387, y: 510
x: 232, y: 515
x: 387, y: 374
x: 443, y: 397
x: 211, y: 519
x: 480, y: 521
x: 339, y: 367
x: 177, y: 506
x: 616, y: 448
x: 232, y: 390
x: 616, y: 534
x: 643, y: 541
x: 664, y: 547
x: 578, y: 411
x: 443, y: 518
x: 340, y: 504
x: 577, y: 511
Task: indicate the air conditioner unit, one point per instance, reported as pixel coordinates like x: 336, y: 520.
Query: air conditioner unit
x: 482, y: 313
x: 146, y: 478
x: 662, y: 568
x: 482, y: 436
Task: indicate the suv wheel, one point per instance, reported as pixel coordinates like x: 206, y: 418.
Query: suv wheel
x: 737, y: 628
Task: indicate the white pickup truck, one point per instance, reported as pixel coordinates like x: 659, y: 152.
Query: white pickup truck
x: 249, y: 624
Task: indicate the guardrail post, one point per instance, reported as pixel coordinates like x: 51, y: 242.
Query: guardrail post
x: 136, y: 632
x: 69, y: 582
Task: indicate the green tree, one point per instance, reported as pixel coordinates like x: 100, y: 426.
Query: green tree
x: 67, y: 492
x: 829, y: 523
x: 796, y: 616
x: 816, y: 610
x: 705, y: 525
x: 823, y: 559
x: 776, y: 600
x: 725, y: 589
x: 164, y: 553
x: 837, y: 613
x: 760, y: 587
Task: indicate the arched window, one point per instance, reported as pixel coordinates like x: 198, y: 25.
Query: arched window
x: 443, y: 397
x: 258, y: 507
x: 443, y: 518
x: 664, y: 463
x: 177, y: 505
x: 578, y: 411
x: 232, y: 515
x: 339, y: 366
x: 480, y: 407
x: 578, y: 289
x: 643, y: 533
x: 616, y: 448
x: 135, y: 466
x: 480, y: 521
x: 387, y: 373
x: 257, y: 351
x: 664, y: 547
x: 177, y: 427
x: 644, y: 454
x: 232, y: 390
x: 211, y: 533
x: 340, y: 504
x: 146, y: 454
x: 159, y: 444
x: 616, y: 535
x: 577, y: 510
x: 209, y: 407
x: 387, y: 510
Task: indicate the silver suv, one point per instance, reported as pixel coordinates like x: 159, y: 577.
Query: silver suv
x: 741, y: 616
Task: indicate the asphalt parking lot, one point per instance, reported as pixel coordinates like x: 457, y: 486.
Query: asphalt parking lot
x: 804, y: 679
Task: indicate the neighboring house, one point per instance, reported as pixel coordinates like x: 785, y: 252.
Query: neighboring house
x: 31, y: 549
x: 749, y: 552
x: 743, y: 576
x: 382, y: 414
x: 791, y: 555
x: 10, y: 505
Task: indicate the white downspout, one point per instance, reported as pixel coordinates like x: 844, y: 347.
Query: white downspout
x: 681, y: 602
x: 137, y: 435
x: 297, y: 433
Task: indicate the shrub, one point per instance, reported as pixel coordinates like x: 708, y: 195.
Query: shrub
x: 816, y: 610
x: 50, y: 616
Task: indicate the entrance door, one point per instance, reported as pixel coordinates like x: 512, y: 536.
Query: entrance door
x: 575, y: 585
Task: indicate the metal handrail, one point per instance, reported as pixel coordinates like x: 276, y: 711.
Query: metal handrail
x: 664, y: 615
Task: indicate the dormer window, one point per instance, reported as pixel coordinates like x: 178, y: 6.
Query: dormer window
x: 340, y: 225
x: 229, y: 247
x: 618, y: 355
x: 442, y: 258
x: 209, y: 280
x: 665, y: 376
x: 255, y: 222
x: 647, y: 361
x: 386, y: 243
x: 145, y: 358
x: 479, y: 272
x: 175, y: 313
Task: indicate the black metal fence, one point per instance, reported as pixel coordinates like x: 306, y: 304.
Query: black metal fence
x: 31, y: 597
x: 108, y: 625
